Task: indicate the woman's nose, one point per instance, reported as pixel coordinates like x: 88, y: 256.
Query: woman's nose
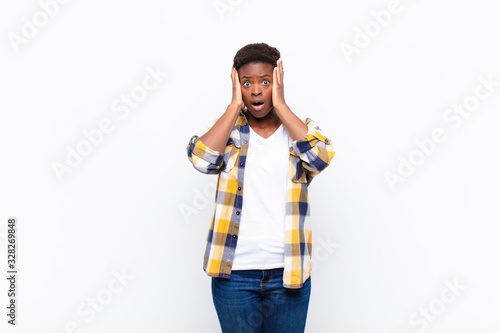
x: 256, y: 91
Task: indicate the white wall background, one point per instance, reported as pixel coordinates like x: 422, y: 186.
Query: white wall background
x: 386, y: 259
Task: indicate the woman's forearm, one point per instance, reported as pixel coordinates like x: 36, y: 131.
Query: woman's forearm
x: 216, y: 138
x: 295, y: 128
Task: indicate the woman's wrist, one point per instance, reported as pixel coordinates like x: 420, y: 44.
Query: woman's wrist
x: 237, y: 105
x: 281, y: 107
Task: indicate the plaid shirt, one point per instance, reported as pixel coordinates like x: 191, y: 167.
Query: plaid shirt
x: 308, y: 157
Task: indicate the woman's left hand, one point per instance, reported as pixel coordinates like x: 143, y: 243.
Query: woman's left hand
x: 278, y: 91
x: 295, y: 128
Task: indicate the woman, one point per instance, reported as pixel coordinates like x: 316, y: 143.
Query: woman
x: 258, y: 247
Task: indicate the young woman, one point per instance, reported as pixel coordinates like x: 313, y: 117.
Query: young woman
x: 258, y: 247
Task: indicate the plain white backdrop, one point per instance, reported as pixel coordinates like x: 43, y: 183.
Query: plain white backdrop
x: 100, y: 98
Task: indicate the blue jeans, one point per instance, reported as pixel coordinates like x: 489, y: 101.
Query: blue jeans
x: 254, y: 301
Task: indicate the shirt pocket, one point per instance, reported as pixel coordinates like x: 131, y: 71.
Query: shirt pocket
x: 231, y: 154
x: 296, y: 171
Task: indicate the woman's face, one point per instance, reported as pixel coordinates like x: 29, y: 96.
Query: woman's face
x: 256, y: 80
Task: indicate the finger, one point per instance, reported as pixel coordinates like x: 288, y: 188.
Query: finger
x: 234, y: 76
x: 275, y: 77
x: 237, y: 76
x: 280, y: 71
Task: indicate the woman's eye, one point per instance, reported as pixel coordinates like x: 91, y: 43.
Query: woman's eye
x: 266, y: 82
x: 246, y: 84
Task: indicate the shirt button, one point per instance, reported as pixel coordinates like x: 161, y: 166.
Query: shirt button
x: 238, y: 212
x: 239, y: 188
x: 245, y: 142
x: 241, y: 164
x: 234, y: 236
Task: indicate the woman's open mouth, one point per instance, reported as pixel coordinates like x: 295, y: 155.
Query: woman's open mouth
x: 258, y: 105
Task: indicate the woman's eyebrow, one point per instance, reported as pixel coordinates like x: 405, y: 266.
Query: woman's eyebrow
x: 249, y: 77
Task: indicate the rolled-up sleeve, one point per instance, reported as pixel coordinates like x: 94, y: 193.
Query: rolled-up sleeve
x: 315, y: 150
x: 203, y: 158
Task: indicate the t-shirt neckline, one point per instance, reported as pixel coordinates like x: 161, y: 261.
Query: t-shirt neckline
x: 269, y: 137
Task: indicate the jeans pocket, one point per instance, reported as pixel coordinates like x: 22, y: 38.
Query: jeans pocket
x: 230, y: 158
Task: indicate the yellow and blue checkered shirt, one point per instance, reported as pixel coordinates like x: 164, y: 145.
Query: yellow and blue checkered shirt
x: 308, y: 157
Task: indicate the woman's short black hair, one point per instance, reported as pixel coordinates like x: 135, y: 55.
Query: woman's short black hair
x: 257, y: 52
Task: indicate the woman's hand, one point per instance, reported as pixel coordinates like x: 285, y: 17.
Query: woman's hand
x: 278, y: 89
x: 295, y: 128
x: 216, y: 137
x: 237, y: 96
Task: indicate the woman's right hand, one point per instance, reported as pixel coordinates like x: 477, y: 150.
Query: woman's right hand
x: 237, y: 96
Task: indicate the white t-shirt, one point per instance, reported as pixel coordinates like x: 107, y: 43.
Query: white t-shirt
x: 261, y: 235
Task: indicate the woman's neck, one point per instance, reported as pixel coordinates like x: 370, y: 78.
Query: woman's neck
x: 271, y: 120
